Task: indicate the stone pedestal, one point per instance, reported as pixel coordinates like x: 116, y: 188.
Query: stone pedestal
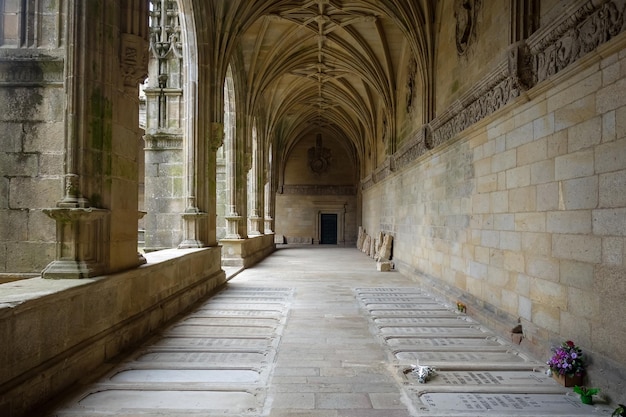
x: 193, y: 228
x: 82, y: 243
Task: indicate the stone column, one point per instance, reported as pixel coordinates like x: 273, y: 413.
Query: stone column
x: 257, y: 186
x: 165, y: 114
x: 233, y: 217
x: 100, y: 201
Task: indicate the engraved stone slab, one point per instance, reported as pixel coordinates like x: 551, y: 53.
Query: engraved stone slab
x: 187, y: 375
x: 434, y: 311
x: 246, y: 299
x: 476, y: 378
x: 212, y: 342
x: 225, y: 321
x: 391, y: 290
x: 238, y: 358
x: 452, y: 342
x: 405, y: 306
x: 384, y: 300
x: 244, y: 306
x: 220, y: 330
x: 425, y: 357
x: 508, y: 404
x: 118, y: 400
x: 422, y: 321
x: 431, y: 330
x: 234, y: 313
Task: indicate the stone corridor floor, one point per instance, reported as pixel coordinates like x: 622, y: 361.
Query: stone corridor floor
x: 318, y: 332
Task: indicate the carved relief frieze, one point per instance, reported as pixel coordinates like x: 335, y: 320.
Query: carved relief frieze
x: 319, y: 189
x: 591, y: 25
x: 31, y: 72
x: 162, y: 142
x: 383, y: 171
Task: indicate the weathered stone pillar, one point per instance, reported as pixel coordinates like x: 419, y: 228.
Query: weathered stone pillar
x: 257, y: 213
x: 100, y: 202
x: 269, y: 209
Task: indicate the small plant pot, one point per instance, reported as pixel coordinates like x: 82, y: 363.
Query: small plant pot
x: 586, y: 399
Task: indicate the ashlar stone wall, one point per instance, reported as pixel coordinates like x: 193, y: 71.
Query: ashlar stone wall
x: 319, y: 177
x: 523, y: 215
x: 31, y: 133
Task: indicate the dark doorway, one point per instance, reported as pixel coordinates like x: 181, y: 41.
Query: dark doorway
x: 328, y: 233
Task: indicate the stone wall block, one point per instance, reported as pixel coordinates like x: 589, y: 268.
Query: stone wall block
x: 557, y: 144
x: 29, y: 256
x: 542, y: 172
x: 609, y: 222
x: 575, y: 113
x: 530, y: 222
x: 620, y: 122
x: 536, y: 243
x: 510, y: 241
x: 51, y: 164
x: 18, y: 165
x: 524, y: 307
x: 585, y: 134
x: 532, y: 152
x: 543, y: 267
x: 4, y: 192
x: 43, y: 137
x: 547, y: 196
x: 503, y: 161
x: 571, y: 95
x: 543, y: 126
x: 504, y: 221
x: 577, y: 221
x: 34, y: 192
x: 611, y: 97
x: 40, y: 227
x: 581, y: 248
x: 576, y: 274
x: 499, y: 202
x: 518, y: 177
x: 613, y: 250
x: 577, y: 328
x: 548, y: 293
x: 609, y: 127
x: 520, y: 136
x: 523, y: 199
x: 575, y: 165
x: 612, y: 189
x: 12, y: 134
x: 611, y: 156
x: 580, y: 193
x: 14, y: 225
x: 610, y: 330
x: 547, y: 317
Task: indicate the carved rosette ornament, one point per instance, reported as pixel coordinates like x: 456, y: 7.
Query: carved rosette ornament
x: 319, y: 157
x: 465, y: 13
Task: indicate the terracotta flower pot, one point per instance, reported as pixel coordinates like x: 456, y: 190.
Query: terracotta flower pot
x: 568, y: 381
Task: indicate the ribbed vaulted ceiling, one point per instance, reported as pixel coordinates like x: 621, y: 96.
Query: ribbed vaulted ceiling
x: 329, y: 66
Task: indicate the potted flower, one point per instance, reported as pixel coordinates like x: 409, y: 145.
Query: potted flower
x: 586, y: 394
x: 620, y: 411
x: 567, y: 364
